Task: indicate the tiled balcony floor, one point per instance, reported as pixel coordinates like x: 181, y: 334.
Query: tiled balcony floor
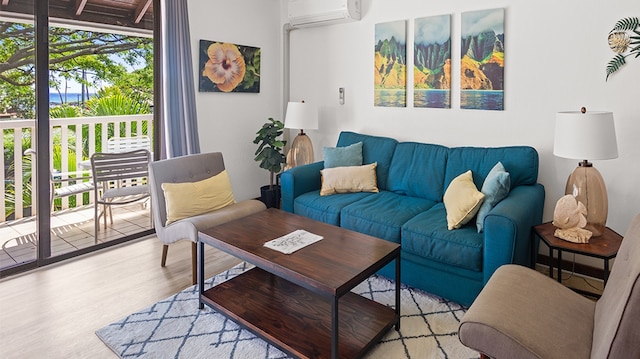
x: 71, y: 230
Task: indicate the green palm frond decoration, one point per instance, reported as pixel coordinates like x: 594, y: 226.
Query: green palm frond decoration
x: 622, y: 43
x: 615, y: 64
x: 626, y: 24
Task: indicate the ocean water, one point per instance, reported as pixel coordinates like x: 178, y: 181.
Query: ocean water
x: 482, y: 100
x: 390, y: 98
x: 432, y: 98
x: 55, y: 98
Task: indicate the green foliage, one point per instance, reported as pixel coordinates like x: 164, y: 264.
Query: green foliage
x: 615, y: 64
x: 112, y: 102
x: 92, y: 59
x: 10, y: 190
x: 85, y: 57
x: 252, y: 64
x: 626, y: 24
x: 269, y: 152
x: 65, y: 111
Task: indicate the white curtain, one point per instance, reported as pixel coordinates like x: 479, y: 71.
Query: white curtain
x: 179, y: 120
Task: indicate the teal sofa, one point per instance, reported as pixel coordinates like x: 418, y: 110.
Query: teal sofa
x: 408, y: 209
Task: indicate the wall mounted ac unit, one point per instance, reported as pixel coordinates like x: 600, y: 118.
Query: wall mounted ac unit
x: 309, y: 13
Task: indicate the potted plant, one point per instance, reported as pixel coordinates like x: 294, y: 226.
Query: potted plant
x: 271, y: 158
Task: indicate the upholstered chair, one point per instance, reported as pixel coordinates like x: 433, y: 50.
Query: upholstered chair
x: 523, y: 314
x: 191, y: 168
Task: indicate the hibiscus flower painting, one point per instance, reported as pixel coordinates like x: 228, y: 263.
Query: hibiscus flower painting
x: 226, y: 67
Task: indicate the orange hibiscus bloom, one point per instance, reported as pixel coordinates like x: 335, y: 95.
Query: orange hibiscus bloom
x: 225, y: 67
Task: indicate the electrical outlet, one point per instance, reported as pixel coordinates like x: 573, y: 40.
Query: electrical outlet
x: 341, y: 95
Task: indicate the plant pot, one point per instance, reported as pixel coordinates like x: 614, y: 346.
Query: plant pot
x: 270, y: 197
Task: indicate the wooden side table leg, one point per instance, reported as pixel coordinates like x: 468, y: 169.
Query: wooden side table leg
x: 533, y: 249
x: 606, y: 271
x: 559, y: 266
x: 550, y: 262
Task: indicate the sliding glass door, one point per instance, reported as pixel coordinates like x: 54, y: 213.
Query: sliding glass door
x: 89, y: 87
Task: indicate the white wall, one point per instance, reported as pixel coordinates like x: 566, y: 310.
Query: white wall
x: 228, y: 122
x: 556, y: 54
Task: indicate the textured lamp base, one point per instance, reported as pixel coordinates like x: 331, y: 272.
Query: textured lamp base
x: 586, y: 184
x: 301, y: 152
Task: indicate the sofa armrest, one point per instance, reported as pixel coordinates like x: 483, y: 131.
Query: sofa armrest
x: 299, y: 180
x: 507, y: 228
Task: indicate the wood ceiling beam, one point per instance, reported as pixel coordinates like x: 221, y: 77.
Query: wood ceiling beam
x: 142, y: 9
x: 80, y: 4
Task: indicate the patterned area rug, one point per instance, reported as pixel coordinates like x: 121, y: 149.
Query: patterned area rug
x: 175, y: 328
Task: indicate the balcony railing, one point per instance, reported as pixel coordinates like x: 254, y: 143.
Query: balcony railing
x: 73, y: 140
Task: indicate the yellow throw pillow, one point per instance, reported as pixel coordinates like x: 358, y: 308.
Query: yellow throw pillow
x: 462, y: 200
x: 349, y: 179
x: 188, y: 199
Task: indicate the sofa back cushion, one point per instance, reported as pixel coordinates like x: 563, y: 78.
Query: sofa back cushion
x: 374, y: 149
x: 520, y: 161
x: 417, y: 170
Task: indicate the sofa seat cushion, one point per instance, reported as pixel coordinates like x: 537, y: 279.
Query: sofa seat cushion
x: 325, y: 208
x: 426, y: 235
x: 383, y: 214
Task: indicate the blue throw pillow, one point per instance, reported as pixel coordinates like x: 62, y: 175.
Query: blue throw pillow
x: 495, y: 188
x: 343, y: 156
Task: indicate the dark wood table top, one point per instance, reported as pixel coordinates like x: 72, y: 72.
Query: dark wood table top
x: 331, y: 266
x: 605, y: 246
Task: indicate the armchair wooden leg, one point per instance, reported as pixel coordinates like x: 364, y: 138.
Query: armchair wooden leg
x: 194, y: 262
x: 165, y: 248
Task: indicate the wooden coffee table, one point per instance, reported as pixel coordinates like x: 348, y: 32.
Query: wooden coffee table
x: 302, y: 302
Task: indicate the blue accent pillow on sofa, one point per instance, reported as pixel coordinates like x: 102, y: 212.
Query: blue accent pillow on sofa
x: 343, y: 156
x: 495, y: 188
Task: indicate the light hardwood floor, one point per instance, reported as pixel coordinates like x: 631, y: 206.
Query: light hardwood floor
x: 53, y: 312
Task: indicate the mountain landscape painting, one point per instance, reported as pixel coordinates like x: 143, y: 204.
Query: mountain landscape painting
x: 482, y: 60
x: 432, y: 62
x: 390, y: 64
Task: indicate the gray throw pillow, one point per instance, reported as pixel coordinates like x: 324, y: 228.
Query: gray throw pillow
x: 343, y: 156
x: 495, y: 188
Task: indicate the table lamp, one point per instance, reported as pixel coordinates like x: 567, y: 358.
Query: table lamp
x: 587, y: 136
x: 300, y: 115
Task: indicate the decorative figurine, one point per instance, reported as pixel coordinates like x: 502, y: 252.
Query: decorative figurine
x: 570, y: 218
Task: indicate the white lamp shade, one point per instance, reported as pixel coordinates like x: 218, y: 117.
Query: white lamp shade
x: 301, y: 115
x: 585, y: 136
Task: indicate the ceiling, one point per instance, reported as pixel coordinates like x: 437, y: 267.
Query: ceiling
x: 125, y: 13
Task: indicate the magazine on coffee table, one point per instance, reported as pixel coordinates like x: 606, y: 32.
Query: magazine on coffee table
x: 293, y: 241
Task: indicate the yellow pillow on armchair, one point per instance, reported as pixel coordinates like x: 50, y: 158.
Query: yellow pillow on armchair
x: 188, y: 199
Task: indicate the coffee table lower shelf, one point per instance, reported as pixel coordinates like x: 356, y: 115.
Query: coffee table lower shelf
x: 298, y: 320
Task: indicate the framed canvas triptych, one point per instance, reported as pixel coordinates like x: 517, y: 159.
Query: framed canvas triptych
x: 481, y: 62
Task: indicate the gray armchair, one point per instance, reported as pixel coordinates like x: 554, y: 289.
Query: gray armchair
x: 190, y: 168
x: 522, y: 313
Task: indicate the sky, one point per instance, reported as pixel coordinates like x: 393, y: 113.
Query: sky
x: 475, y: 22
x: 432, y: 29
x: 397, y: 29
